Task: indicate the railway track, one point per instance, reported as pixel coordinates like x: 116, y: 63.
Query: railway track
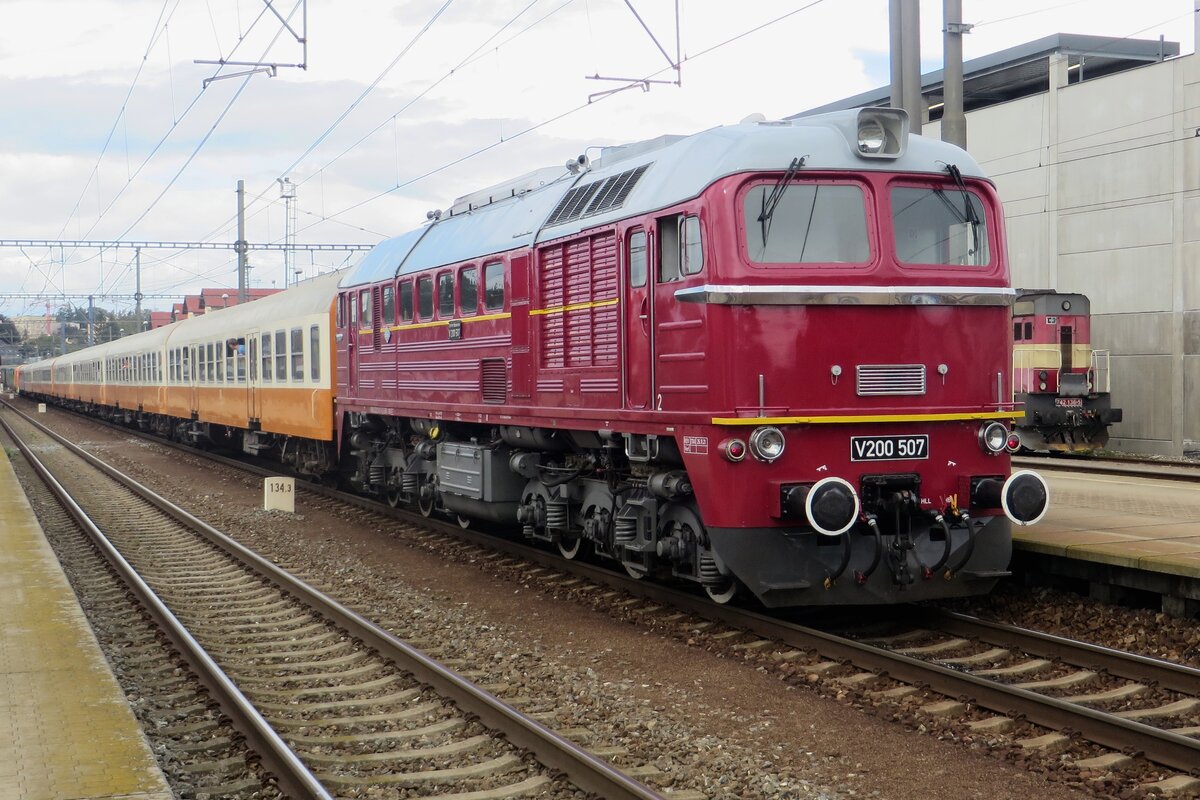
x: 961, y: 653
x: 1184, y: 471
x: 332, y: 703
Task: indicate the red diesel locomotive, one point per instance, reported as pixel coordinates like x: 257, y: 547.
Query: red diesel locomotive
x: 771, y: 355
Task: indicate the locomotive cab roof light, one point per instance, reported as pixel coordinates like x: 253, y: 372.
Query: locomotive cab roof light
x: 881, y: 132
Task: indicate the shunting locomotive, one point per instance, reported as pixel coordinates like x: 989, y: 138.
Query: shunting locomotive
x: 1058, y: 377
x: 770, y: 358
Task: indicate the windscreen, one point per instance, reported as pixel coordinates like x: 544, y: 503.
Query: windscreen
x: 939, y: 226
x: 806, y: 223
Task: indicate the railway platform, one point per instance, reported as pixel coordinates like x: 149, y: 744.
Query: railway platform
x: 1128, y: 536
x: 66, y: 730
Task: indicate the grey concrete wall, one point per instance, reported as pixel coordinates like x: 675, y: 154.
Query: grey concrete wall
x: 1101, y: 185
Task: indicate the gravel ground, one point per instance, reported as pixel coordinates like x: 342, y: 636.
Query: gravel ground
x: 723, y: 726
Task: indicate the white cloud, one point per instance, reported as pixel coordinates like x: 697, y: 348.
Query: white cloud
x: 68, y: 64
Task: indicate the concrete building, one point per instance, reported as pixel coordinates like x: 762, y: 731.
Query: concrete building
x: 1094, y: 145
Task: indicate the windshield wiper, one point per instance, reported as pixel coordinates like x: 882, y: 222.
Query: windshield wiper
x: 968, y: 214
x: 771, y: 202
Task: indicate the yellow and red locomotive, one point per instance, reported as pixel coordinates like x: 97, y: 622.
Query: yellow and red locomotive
x: 1059, y: 379
x: 770, y: 356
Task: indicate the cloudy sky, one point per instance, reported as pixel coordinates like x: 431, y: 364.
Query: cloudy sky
x: 107, y: 131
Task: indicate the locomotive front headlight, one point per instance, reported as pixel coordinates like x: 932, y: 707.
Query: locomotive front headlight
x: 767, y: 443
x: 993, y: 438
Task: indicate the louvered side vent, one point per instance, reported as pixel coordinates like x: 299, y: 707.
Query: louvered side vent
x: 494, y: 380
x: 596, y: 197
x: 890, y: 379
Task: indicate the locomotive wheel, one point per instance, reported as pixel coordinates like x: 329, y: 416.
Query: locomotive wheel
x: 723, y: 592
x: 635, y: 572
x: 393, y: 497
x: 463, y: 522
x: 570, y: 546
x: 426, y: 504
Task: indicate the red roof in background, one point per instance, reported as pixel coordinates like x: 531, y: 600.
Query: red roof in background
x: 208, y: 299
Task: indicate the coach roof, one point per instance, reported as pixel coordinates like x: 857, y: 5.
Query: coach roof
x: 652, y: 175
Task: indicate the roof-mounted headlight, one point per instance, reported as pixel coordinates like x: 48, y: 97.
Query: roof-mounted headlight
x: 882, y: 132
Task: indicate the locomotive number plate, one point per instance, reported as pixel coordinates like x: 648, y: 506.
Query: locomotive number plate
x: 889, y: 448
x: 1068, y: 402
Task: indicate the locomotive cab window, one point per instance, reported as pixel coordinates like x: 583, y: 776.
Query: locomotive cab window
x: 939, y: 226
x: 468, y: 291
x: 805, y: 223
x: 493, y: 286
x: 638, y: 259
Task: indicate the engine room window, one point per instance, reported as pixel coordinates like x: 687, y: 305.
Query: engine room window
x: 389, y: 305
x: 446, y: 295
x: 493, y: 286
x: 691, y: 251
x: 638, y: 260
x: 468, y: 290
x: 806, y: 223
x: 406, y: 304
x: 939, y: 226
x: 364, y: 308
x: 425, y: 297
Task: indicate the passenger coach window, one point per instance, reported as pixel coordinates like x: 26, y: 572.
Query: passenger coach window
x: 314, y: 352
x: 266, y: 358
x: 406, y: 304
x: 637, y: 259
x: 493, y: 286
x: 446, y: 294
x: 298, y: 354
x: 425, y: 297
x: 690, y: 250
x: 805, y: 223
x: 281, y: 354
x: 468, y: 290
x: 939, y: 226
x: 389, y: 306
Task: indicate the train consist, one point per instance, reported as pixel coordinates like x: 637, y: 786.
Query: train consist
x: 771, y: 356
x: 1062, y: 383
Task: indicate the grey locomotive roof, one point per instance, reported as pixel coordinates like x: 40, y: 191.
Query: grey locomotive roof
x: 678, y: 169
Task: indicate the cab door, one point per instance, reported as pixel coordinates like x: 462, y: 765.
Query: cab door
x: 680, y: 339
x: 638, y: 363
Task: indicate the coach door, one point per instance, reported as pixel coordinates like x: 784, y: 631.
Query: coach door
x: 253, y: 401
x: 639, y: 320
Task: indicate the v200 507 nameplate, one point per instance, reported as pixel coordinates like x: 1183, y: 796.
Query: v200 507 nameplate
x: 889, y: 448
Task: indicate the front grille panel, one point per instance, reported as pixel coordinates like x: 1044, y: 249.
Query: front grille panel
x: 890, y: 379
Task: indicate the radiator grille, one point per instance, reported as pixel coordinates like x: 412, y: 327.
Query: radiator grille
x: 889, y: 379
x: 494, y: 380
